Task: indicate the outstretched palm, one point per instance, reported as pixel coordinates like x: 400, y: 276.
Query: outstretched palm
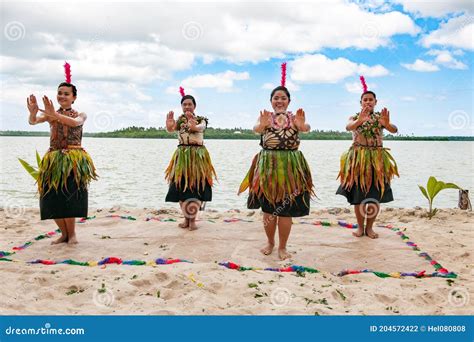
x: 32, y: 104
x: 265, y: 118
x: 385, y: 117
x: 300, y: 118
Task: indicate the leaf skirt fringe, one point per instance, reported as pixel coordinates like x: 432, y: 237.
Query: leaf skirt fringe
x: 191, y: 169
x: 279, y: 176
x: 59, y: 165
x: 63, y: 179
x: 366, y: 167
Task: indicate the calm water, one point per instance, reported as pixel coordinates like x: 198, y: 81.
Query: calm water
x: 132, y: 170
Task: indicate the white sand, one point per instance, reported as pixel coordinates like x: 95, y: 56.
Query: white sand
x: 204, y: 287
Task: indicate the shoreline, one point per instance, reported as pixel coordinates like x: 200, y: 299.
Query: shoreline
x: 232, y: 136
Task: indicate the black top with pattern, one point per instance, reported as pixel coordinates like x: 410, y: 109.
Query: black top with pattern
x: 276, y: 137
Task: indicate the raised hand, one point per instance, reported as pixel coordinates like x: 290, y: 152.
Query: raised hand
x: 364, y: 114
x: 385, y: 117
x: 192, y: 123
x: 265, y: 118
x: 32, y: 104
x: 170, y: 117
x: 300, y: 119
x: 49, y: 110
x: 170, y: 122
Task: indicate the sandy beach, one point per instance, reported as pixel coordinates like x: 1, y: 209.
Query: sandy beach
x: 203, y: 287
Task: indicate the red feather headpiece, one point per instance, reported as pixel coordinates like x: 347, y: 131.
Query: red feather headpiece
x: 364, y: 85
x: 181, y: 91
x: 283, y: 74
x: 67, y: 72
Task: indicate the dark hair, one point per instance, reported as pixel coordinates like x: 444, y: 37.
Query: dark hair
x: 70, y: 85
x: 282, y: 88
x: 185, y: 97
x: 368, y: 92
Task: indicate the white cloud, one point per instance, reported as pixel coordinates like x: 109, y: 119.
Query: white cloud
x: 137, y: 62
x: 222, y: 82
x: 421, y: 66
x: 408, y: 98
x: 445, y: 58
x: 320, y: 69
x: 353, y: 87
x: 457, y: 32
x: 236, y: 32
x: 435, y: 8
x: 356, y: 87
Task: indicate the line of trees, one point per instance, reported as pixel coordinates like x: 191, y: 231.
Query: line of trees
x: 233, y: 133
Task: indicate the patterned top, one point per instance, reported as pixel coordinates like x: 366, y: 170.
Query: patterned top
x: 186, y: 137
x: 370, y: 133
x: 282, y: 134
x: 61, y: 135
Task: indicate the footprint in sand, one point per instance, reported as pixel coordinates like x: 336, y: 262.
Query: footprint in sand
x: 161, y: 276
x: 140, y: 282
x: 174, y: 284
x: 432, y: 298
x: 385, y: 299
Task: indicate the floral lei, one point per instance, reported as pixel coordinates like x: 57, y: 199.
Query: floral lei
x: 370, y: 128
x: 183, y: 119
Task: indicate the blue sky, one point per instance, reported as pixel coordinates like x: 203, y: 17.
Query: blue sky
x: 128, y: 60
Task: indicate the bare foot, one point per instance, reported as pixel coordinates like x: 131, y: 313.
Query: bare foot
x: 358, y: 233
x: 192, y: 226
x: 268, y: 249
x: 62, y: 239
x: 72, y: 240
x: 184, y: 224
x: 371, y: 234
x: 283, y: 254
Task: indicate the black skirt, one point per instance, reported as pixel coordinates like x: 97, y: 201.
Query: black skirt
x: 177, y: 195
x: 356, y: 196
x: 297, y: 208
x: 64, y: 203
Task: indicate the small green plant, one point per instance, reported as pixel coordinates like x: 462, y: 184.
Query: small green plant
x: 102, y: 289
x: 433, y: 187
x: 34, y: 172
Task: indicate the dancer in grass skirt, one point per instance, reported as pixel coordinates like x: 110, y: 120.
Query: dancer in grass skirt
x: 190, y: 172
x: 66, y: 169
x: 279, y: 179
x: 367, y: 168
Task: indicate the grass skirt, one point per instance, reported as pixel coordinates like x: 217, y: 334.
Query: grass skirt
x: 190, y: 174
x: 279, y: 182
x: 366, y: 172
x: 63, y: 179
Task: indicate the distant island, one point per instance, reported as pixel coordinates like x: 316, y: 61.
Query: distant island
x: 232, y: 133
